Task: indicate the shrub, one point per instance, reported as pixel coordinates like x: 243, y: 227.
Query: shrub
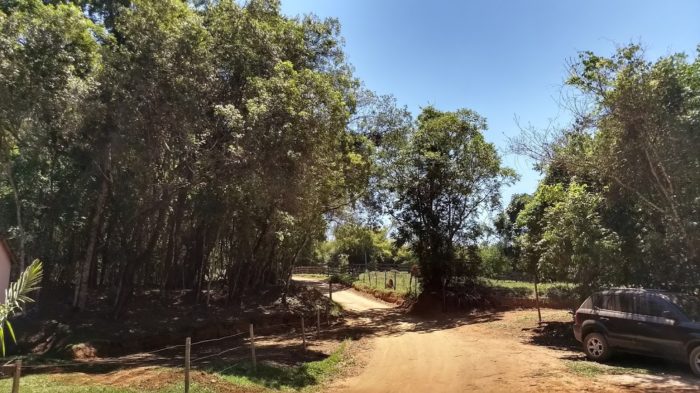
x: 514, y: 292
x: 342, y: 278
x: 564, y: 294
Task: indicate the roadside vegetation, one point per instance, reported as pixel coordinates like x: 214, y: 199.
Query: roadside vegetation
x: 526, y: 289
x: 591, y: 369
x: 171, y: 162
x: 168, y: 147
x: 279, y: 378
x: 401, y: 280
x: 269, y: 377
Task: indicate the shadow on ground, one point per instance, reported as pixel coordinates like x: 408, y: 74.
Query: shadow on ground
x: 651, y: 366
x: 554, y: 335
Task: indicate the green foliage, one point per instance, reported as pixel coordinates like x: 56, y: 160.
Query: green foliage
x: 560, y: 292
x: 576, y: 244
x: 161, y: 143
x: 569, y: 295
x: 17, y: 296
x: 618, y: 204
x: 565, y: 238
x: 357, y: 244
x: 445, y: 174
x: 284, y: 378
x: 508, y: 231
x: 494, y: 262
x: 362, y: 244
x: 342, y: 278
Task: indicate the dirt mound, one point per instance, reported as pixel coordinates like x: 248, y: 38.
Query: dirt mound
x: 150, y: 378
x: 387, y: 296
x: 83, y: 351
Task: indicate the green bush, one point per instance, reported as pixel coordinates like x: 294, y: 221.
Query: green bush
x: 514, y: 292
x: 564, y: 294
x: 342, y: 278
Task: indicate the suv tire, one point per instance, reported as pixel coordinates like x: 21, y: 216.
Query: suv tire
x: 695, y: 361
x: 596, y: 347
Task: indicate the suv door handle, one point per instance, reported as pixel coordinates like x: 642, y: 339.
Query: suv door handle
x: 604, y: 319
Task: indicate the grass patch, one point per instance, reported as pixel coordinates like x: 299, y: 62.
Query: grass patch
x: 313, y: 276
x: 42, y: 383
x: 522, y: 288
x: 284, y: 378
x: 592, y: 370
x: 269, y: 377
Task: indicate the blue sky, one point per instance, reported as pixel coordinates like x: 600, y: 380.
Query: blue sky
x: 504, y: 59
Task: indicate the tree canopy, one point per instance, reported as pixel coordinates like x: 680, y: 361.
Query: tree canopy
x: 618, y: 204
x: 442, y: 178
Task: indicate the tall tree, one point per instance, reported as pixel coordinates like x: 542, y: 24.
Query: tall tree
x: 446, y: 175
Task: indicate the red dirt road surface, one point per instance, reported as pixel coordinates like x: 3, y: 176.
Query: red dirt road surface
x: 491, y: 352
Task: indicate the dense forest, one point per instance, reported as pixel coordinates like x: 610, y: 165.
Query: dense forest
x: 182, y: 144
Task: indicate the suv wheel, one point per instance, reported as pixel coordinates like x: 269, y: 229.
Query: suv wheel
x: 695, y: 361
x: 596, y: 347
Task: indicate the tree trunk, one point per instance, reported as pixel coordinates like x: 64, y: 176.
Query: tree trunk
x: 83, y: 272
x: 537, y: 299
x: 18, y: 213
x: 126, y: 286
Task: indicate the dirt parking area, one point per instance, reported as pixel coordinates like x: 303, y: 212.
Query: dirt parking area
x: 496, y: 351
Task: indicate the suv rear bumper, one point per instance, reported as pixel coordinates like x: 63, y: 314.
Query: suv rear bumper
x: 577, y: 333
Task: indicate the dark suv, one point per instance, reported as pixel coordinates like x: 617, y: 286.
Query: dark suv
x: 647, y: 322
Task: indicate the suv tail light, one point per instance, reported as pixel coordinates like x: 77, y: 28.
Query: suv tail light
x: 578, y: 318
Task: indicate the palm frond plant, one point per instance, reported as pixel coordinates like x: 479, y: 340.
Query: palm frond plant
x: 17, y: 296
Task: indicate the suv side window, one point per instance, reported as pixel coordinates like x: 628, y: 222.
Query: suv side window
x: 627, y: 303
x: 597, y: 300
x: 648, y: 305
x: 610, y: 302
x: 622, y: 302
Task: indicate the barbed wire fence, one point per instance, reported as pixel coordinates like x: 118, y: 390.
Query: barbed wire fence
x: 14, y: 368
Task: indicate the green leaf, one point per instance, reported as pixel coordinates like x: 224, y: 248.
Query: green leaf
x: 12, y: 331
x: 2, y: 338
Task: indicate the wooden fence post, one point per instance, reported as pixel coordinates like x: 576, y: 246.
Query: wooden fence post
x: 252, y: 349
x: 330, y: 290
x: 188, y: 344
x: 303, y: 334
x: 18, y: 373
x: 395, y: 282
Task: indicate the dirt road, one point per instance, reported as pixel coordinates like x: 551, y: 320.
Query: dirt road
x: 468, y: 358
x: 479, y: 353
x: 349, y: 299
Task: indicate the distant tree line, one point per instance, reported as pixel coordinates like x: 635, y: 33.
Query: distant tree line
x: 619, y: 201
